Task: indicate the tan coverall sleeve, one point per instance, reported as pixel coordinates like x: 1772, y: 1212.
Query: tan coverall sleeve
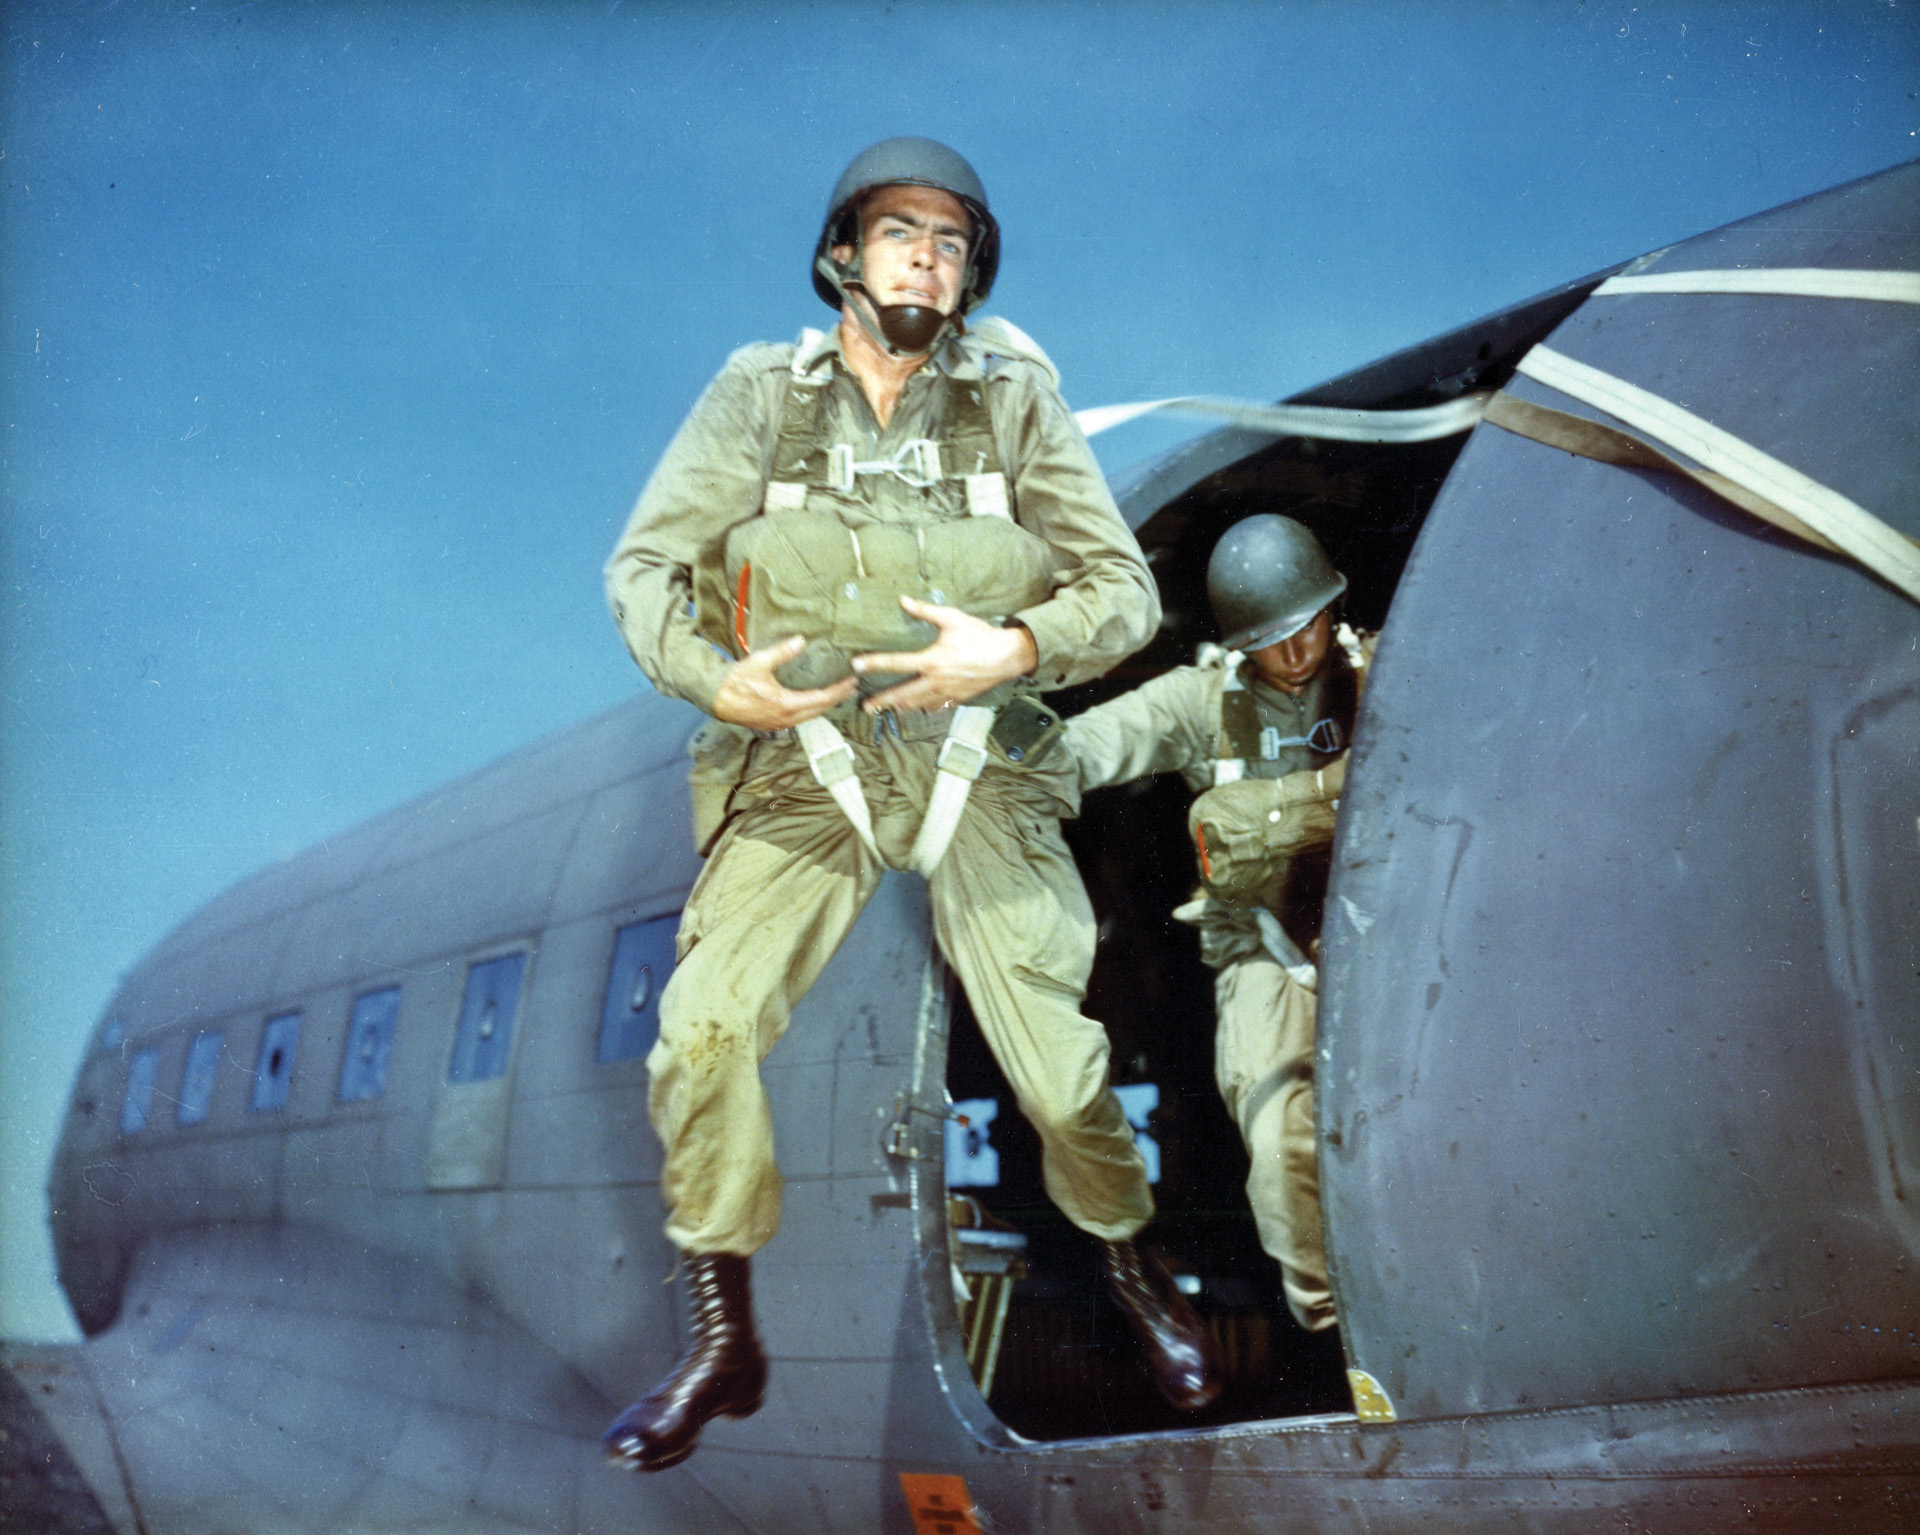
x: 1108, y: 606
x: 712, y: 475
x: 1162, y: 726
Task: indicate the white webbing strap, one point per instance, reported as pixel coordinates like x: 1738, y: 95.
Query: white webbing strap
x: 1227, y: 770
x: 1323, y: 421
x: 1286, y: 953
x: 1851, y: 528
x: 831, y: 760
x: 808, y: 354
x: 987, y: 495
x: 999, y: 335
x: 962, y: 755
x: 1790, y: 282
x: 1349, y: 641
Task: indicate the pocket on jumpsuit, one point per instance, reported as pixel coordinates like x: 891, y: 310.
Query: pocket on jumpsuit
x: 1056, y: 942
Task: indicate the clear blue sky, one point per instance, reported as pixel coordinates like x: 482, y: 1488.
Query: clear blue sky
x: 339, y: 338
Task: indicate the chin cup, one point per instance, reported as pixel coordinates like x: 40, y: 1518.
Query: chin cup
x: 905, y: 330
x: 909, y: 327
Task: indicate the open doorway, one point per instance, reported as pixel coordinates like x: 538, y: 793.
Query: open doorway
x: 1054, y: 1358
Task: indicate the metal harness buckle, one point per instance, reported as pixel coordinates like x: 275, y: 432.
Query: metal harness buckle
x: 1325, y: 737
x: 915, y: 463
x: 831, y: 760
x: 963, y: 759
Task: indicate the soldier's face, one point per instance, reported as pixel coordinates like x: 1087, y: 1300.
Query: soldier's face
x: 1296, y: 660
x: 913, y: 247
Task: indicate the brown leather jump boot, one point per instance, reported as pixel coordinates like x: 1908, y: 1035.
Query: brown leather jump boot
x: 722, y: 1371
x: 1179, y: 1347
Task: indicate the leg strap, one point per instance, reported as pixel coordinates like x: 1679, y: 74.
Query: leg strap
x: 831, y: 760
x: 962, y: 755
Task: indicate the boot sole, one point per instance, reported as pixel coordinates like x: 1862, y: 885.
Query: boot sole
x: 637, y: 1460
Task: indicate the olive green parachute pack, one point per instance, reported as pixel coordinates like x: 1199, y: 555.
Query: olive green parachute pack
x: 1247, y: 832
x: 806, y: 570
x: 816, y: 562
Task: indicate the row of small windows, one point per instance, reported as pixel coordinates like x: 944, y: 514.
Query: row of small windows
x: 643, y: 958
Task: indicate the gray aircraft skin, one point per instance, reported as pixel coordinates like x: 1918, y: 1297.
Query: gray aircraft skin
x: 1619, y: 1088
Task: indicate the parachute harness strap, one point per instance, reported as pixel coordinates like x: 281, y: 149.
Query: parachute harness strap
x: 962, y: 755
x: 916, y: 463
x: 1239, y: 719
x: 963, y: 453
x: 1284, y: 951
x: 831, y: 761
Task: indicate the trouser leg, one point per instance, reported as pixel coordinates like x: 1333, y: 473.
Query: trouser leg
x: 780, y: 891
x: 1263, y: 1062
x: 1012, y: 916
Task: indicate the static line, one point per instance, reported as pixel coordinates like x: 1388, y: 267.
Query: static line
x: 1851, y: 528
x: 1794, y: 282
x: 1322, y: 421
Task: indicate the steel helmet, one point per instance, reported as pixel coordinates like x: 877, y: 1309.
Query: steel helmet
x: 1267, y: 579
x: 911, y: 162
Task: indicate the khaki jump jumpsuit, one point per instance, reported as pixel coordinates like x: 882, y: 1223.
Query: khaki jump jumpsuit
x: 1264, y: 1043
x: 788, y: 876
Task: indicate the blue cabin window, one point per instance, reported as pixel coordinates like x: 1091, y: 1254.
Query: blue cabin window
x: 642, y: 961
x: 363, y: 1073
x: 273, y: 1072
x: 140, y: 1079
x: 196, y: 1080
x: 482, y: 1042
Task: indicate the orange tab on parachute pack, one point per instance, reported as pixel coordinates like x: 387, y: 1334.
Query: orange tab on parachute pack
x: 740, y: 608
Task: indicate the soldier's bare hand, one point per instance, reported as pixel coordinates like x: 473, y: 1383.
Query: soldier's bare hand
x: 751, y: 695
x: 970, y: 656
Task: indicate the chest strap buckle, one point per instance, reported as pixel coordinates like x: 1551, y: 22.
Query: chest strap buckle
x: 915, y: 463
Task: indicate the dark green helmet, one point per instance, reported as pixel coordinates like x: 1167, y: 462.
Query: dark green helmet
x: 908, y: 162
x: 1267, y: 580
